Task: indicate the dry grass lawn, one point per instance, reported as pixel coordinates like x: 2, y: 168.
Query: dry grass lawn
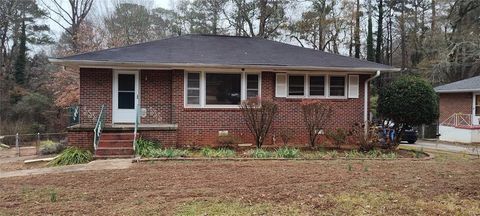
x: 446, y: 185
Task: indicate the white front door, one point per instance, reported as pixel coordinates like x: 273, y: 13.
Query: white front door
x: 125, y: 96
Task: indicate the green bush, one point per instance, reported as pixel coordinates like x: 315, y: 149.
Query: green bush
x: 71, y: 156
x: 217, y: 153
x: 50, y: 147
x: 286, y: 152
x: 259, y: 153
x: 408, y: 101
x: 145, y: 148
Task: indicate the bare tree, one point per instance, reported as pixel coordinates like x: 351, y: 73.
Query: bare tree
x: 258, y: 116
x: 74, y: 15
x: 315, y: 115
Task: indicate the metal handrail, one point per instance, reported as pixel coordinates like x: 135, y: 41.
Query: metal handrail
x: 136, y: 125
x: 98, y: 127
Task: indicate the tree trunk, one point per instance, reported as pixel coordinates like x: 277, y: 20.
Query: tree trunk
x: 357, y: 30
x: 378, y: 52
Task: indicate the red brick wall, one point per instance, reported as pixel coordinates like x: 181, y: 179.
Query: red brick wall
x: 200, y: 126
x: 451, y: 103
x: 156, y: 96
x: 81, y: 139
x: 95, y: 90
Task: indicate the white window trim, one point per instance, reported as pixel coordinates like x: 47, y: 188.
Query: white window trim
x: 306, y: 90
x: 203, y: 87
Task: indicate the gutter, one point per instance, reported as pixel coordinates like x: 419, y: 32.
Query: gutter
x: 458, y: 91
x: 365, y: 105
x: 147, y: 65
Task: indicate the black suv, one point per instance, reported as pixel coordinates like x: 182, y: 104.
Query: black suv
x: 410, y: 135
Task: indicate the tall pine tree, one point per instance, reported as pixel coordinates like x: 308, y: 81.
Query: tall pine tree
x: 21, y: 60
x: 378, y: 52
x: 370, y: 54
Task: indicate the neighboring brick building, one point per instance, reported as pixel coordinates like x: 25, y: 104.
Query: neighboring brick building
x: 188, y: 88
x: 460, y: 110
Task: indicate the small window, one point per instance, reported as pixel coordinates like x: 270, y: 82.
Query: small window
x: 317, y: 85
x: 477, y: 105
x: 223, y: 89
x: 296, y: 85
x: 252, y: 85
x: 337, y: 86
x: 193, y: 88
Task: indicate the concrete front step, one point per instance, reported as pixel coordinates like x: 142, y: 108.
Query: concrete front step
x: 113, y: 151
x: 115, y: 143
x: 104, y: 157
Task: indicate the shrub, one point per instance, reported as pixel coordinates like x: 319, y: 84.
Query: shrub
x: 50, y: 147
x: 407, y: 101
x: 258, y: 116
x: 71, y: 156
x: 286, y: 152
x: 354, y: 154
x: 286, y: 134
x: 227, y: 140
x: 168, y: 153
x: 338, y: 136
x: 217, y: 153
x: 259, y: 153
x: 365, y: 142
x: 145, y: 148
x: 315, y: 116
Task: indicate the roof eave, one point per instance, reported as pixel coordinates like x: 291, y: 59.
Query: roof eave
x: 457, y: 90
x: 110, y: 64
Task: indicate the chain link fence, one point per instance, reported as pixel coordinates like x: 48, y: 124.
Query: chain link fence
x: 35, y: 144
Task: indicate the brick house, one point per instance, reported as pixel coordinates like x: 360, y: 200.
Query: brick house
x: 460, y: 111
x: 187, y: 89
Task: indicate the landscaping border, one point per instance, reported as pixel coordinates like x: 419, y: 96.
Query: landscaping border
x: 140, y: 160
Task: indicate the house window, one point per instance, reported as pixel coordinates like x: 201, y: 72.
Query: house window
x: 252, y: 85
x: 337, y: 86
x: 317, y: 85
x: 477, y: 105
x: 193, y: 88
x: 126, y: 91
x: 220, y: 90
x: 223, y: 89
x: 296, y: 85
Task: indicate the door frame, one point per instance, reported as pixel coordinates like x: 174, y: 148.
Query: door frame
x: 115, y: 91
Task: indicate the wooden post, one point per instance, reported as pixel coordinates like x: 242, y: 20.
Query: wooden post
x: 17, y: 145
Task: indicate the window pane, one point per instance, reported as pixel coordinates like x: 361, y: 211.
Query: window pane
x: 252, y: 85
x: 296, y: 85
x: 337, y: 86
x: 126, y: 100
x: 193, y: 80
x: 126, y: 82
x: 317, y: 85
x: 193, y: 100
x: 223, y: 89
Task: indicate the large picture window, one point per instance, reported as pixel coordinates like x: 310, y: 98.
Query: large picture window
x: 223, y: 88
x: 209, y: 89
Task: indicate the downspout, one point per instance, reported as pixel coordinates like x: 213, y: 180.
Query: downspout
x: 365, y: 105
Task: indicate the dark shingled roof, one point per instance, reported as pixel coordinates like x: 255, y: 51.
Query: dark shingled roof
x: 224, y: 50
x: 466, y: 85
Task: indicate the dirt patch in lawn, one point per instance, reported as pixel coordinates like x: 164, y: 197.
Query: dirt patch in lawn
x: 371, y: 187
x: 20, y: 165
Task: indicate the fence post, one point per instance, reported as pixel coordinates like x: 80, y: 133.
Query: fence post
x: 38, y: 143
x: 17, y: 144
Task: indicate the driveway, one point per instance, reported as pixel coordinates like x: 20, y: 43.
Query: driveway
x: 449, y: 147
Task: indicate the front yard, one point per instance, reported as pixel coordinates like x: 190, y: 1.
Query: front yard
x: 446, y: 185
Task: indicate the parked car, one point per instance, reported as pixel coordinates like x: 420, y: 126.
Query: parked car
x: 410, y: 135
